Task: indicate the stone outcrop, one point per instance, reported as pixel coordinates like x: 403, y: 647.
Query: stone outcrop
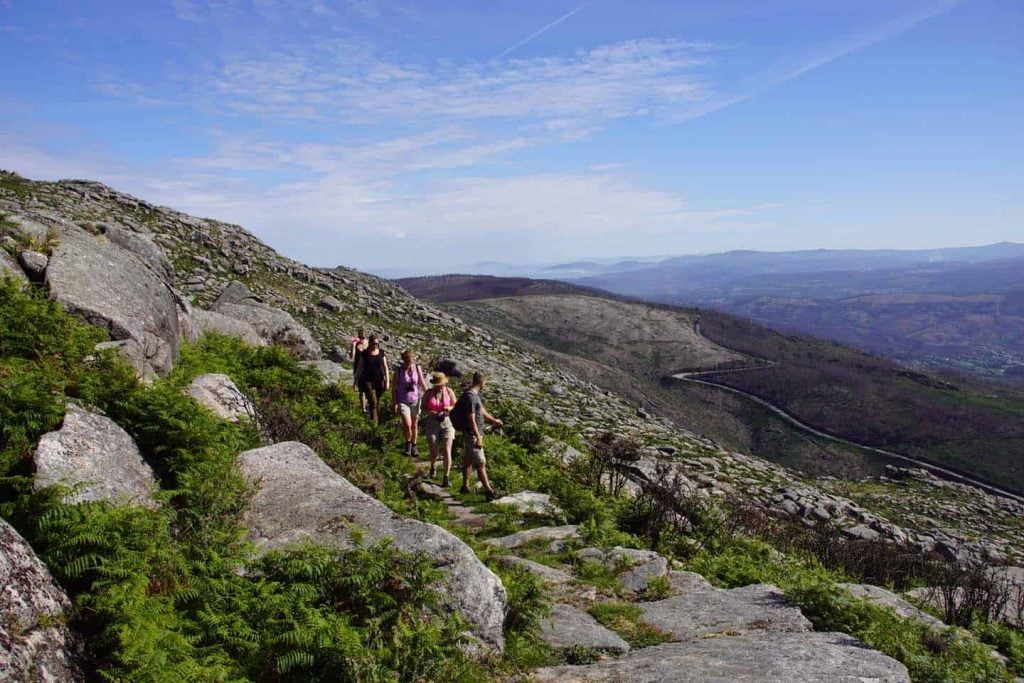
x: 299, y: 498
x: 758, y: 608
x: 333, y: 373
x: 114, y: 288
x: 35, y: 645
x: 568, y: 626
x: 551, y: 533
x: 9, y: 267
x: 97, y: 458
x: 531, y: 502
x: 898, y: 605
x: 211, y: 321
x: 273, y: 325
x: 774, y: 658
x: 222, y: 396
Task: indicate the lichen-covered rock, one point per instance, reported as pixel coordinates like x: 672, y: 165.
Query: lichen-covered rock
x: 211, y: 321
x: 274, y: 326
x: 34, y: 264
x: 764, y: 658
x: 552, y: 533
x: 35, y: 645
x: 131, y: 351
x: 91, y: 453
x: 218, y: 393
x: 9, y: 268
x: 333, y: 373
x: 530, y: 502
x: 299, y: 498
x: 568, y: 626
x: 756, y: 608
x: 112, y: 287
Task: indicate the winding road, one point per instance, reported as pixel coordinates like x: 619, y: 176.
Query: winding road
x: 762, y: 364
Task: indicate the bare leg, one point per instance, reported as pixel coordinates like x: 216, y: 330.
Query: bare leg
x: 481, y: 473
x: 447, y: 457
x: 409, y: 429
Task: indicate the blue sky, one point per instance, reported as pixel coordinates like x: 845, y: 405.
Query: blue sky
x: 394, y: 134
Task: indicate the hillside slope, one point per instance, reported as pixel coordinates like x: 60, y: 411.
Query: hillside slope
x: 211, y: 258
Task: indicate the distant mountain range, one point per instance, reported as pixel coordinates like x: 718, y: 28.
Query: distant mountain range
x: 957, y: 308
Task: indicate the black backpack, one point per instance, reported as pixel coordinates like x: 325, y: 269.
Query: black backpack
x: 460, y: 414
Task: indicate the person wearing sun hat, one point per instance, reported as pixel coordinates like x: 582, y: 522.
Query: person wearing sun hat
x: 437, y: 403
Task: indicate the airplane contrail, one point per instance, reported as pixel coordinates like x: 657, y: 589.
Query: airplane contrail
x: 545, y: 28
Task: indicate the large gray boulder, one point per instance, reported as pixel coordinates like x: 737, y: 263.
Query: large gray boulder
x: 299, y: 498
x: 211, y: 321
x: 765, y: 658
x: 91, y: 453
x: 142, y: 245
x: 757, y: 608
x: 114, y: 288
x: 222, y: 396
x: 35, y: 645
x: 272, y: 324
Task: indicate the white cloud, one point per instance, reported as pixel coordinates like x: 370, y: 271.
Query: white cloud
x: 631, y: 78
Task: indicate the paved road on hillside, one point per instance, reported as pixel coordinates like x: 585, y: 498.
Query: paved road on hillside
x: 762, y: 364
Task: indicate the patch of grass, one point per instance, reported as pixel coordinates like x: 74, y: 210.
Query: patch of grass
x: 625, y: 619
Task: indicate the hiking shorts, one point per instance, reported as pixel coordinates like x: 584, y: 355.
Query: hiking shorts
x: 473, y: 455
x: 409, y: 411
x: 439, y: 430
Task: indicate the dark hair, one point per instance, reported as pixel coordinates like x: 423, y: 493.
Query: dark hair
x: 478, y: 378
x: 361, y: 333
x: 374, y: 340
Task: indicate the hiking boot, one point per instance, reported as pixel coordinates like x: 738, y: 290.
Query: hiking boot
x: 415, y: 452
x: 446, y: 482
x: 432, y: 472
x: 490, y: 495
x: 408, y: 449
x: 464, y: 490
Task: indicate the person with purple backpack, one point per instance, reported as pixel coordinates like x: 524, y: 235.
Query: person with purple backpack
x: 407, y: 386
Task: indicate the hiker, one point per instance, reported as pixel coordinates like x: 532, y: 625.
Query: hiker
x: 407, y: 385
x: 355, y: 350
x: 372, y: 372
x: 468, y: 416
x: 437, y: 403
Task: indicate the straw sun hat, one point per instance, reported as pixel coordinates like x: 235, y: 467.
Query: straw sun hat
x: 438, y: 378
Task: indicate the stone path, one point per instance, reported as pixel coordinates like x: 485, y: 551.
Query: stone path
x: 712, y: 634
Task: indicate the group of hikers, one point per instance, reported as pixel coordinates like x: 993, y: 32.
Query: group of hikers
x: 413, y: 396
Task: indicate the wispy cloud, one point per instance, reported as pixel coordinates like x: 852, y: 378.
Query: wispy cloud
x: 790, y: 68
x: 544, y: 29
x: 631, y: 78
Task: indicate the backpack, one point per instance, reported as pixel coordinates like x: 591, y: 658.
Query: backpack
x: 460, y: 414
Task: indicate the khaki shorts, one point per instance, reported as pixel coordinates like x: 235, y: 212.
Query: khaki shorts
x: 473, y: 455
x: 409, y: 411
x: 439, y: 431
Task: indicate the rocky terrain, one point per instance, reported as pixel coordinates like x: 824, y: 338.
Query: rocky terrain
x: 154, y: 278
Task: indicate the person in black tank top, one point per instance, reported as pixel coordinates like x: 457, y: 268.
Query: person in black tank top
x: 372, y: 372
x: 356, y: 349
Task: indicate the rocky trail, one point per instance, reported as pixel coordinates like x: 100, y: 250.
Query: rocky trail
x: 659, y: 623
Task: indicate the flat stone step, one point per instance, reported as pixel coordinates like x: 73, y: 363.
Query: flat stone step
x: 755, y: 658
x: 553, y: 533
x: 568, y: 626
x: 756, y: 608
